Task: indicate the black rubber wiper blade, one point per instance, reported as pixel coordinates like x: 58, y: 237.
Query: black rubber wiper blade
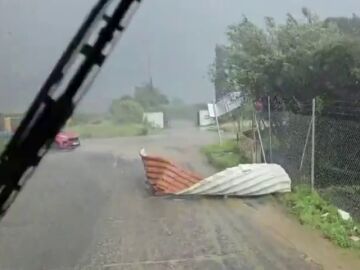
x: 69, y: 80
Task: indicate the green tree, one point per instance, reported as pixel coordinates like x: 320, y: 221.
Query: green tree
x: 127, y: 97
x: 295, y: 60
x: 150, y: 97
x: 350, y: 26
x: 220, y: 73
x: 126, y: 111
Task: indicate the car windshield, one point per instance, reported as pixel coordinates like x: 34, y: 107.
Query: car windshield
x: 166, y: 134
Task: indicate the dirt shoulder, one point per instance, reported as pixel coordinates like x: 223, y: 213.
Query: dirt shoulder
x: 284, y: 228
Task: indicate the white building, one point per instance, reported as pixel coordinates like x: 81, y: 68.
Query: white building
x: 155, y: 119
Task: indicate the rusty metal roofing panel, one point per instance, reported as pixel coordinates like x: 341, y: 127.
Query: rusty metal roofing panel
x: 244, y: 180
x: 165, y: 177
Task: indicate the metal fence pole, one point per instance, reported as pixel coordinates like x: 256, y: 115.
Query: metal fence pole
x: 217, y: 122
x: 270, y: 140
x: 254, y: 138
x: 260, y: 139
x: 313, y: 145
x: 305, y: 146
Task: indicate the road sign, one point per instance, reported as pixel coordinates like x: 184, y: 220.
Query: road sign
x: 227, y: 104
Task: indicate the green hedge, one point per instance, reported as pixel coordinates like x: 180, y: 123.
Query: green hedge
x: 225, y: 155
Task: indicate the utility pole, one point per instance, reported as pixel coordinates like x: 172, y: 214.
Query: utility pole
x: 217, y: 122
x: 149, y: 71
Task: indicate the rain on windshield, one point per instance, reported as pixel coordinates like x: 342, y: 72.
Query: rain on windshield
x: 179, y: 134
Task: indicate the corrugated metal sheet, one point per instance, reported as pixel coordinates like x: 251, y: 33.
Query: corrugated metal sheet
x: 244, y: 180
x: 165, y: 177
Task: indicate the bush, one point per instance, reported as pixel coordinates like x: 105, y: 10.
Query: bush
x: 311, y: 209
x: 150, y: 97
x: 126, y: 111
x: 85, y: 118
x: 225, y: 155
x: 345, y: 197
x: 184, y: 111
x: 144, y: 130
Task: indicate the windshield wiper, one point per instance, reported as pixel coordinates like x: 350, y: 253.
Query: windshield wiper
x: 66, y: 85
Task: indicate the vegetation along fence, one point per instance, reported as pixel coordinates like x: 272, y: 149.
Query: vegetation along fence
x: 316, y: 147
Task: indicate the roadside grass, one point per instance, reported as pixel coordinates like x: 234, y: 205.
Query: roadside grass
x: 231, y: 126
x: 109, y: 129
x: 345, y: 197
x: 228, y: 127
x: 86, y: 118
x: 311, y: 209
x: 225, y: 155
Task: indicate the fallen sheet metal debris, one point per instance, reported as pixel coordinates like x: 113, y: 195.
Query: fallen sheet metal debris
x: 243, y: 180
x: 165, y: 177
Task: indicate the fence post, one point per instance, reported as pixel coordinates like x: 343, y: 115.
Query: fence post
x: 305, y: 146
x: 260, y: 139
x: 254, y: 138
x: 313, y: 146
x: 270, y: 141
x: 217, y: 122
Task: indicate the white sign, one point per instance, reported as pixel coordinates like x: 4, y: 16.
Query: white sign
x: 211, y: 109
x: 227, y: 104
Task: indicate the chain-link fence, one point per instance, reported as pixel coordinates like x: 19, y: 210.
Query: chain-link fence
x: 337, y: 162
x: 287, y: 143
x: 331, y: 150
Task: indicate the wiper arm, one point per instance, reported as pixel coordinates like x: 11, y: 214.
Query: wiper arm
x: 66, y: 85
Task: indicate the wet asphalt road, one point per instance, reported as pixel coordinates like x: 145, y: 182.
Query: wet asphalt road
x: 90, y: 209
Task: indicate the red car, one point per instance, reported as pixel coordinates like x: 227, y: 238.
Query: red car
x: 66, y: 140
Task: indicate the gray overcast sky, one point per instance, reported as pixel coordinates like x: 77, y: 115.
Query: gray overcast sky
x: 180, y: 37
